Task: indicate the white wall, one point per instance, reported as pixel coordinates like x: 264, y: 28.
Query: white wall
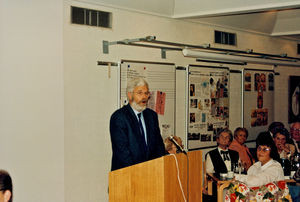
x: 31, y: 98
x: 56, y: 101
x: 90, y: 95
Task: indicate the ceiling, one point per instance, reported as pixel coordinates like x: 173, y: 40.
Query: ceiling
x: 280, y: 23
x: 278, y: 18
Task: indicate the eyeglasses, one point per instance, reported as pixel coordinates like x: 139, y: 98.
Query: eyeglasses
x: 224, y: 137
x: 140, y: 93
x: 263, y: 149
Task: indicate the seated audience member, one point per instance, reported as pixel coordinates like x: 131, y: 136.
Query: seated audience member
x: 222, y: 159
x: 267, y: 137
x: 274, y: 126
x: 6, y: 188
x: 295, y: 134
x: 240, y: 137
x: 285, y: 150
x: 170, y: 146
x: 266, y: 169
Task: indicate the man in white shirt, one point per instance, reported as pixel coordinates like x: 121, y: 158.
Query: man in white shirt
x: 222, y: 159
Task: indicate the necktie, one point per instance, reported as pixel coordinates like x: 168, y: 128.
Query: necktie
x: 142, y: 132
x: 225, y: 155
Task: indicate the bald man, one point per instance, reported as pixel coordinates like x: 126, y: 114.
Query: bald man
x: 295, y: 134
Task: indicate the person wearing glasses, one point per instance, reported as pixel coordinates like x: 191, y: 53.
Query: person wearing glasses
x: 222, y: 159
x: 134, y: 129
x: 6, y: 187
x: 267, y: 169
x: 281, y: 137
x: 295, y: 134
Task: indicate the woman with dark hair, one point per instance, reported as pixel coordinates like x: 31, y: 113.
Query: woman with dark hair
x: 275, y: 126
x: 266, y: 138
x: 266, y: 169
x: 6, y: 193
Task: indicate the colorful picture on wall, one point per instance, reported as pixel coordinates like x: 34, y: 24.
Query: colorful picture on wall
x: 259, y: 117
x: 192, y: 90
x: 263, y: 81
x: 260, y: 98
x: 271, y: 81
x: 256, y: 81
x: 194, y: 136
x: 294, y: 99
x: 248, y: 81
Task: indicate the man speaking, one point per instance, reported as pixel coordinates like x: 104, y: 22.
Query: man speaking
x: 134, y: 129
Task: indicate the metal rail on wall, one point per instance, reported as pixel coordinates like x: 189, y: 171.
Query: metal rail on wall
x: 207, y: 52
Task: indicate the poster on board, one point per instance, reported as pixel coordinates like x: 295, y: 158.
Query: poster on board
x: 161, y: 79
x: 208, y: 105
x: 258, y: 101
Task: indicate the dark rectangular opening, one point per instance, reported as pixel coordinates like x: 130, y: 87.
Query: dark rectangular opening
x: 225, y: 38
x: 85, y: 16
x: 77, y: 15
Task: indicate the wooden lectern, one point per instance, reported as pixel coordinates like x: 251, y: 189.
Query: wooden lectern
x: 157, y: 180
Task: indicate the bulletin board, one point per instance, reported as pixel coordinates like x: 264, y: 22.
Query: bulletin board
x: 258, y: 101
x: 161, y: 78
x: 208, y: 100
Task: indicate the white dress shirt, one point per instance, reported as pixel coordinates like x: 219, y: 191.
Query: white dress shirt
x: 259, y: 175
x: 209, y: 165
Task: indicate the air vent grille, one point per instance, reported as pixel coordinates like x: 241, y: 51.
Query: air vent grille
x: 84, y: 16
x: 225, y: 38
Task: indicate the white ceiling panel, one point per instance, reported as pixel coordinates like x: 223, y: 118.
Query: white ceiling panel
x: 204, y: 8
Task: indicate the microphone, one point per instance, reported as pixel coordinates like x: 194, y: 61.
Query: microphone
x: 176, y: 144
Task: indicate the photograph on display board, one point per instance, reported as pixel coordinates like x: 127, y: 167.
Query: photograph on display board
x: 263, y: 81
x: 208, y: 105
x: 294, y: 96
x: 260, y: 81
x: 193, y: 103
x: 205, y: 137
x: 193, y: 136
x: 259, y: 117
x: 192, y: 90
x: 271, y: 81
x: 192, y: 117
x: 247, y: 81
x: 258, y: 103
x: 260, y: 100
x: 256, y: 81
x: 160, y: 102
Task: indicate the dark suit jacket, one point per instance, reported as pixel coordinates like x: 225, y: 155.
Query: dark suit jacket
x: 218, y: 162
x: 126, y: 138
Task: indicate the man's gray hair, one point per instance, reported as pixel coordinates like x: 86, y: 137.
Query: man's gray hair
x: 135, y: 82
x: 225, y: 130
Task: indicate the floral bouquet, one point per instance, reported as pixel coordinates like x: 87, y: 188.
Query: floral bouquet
x: 275, y: 191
